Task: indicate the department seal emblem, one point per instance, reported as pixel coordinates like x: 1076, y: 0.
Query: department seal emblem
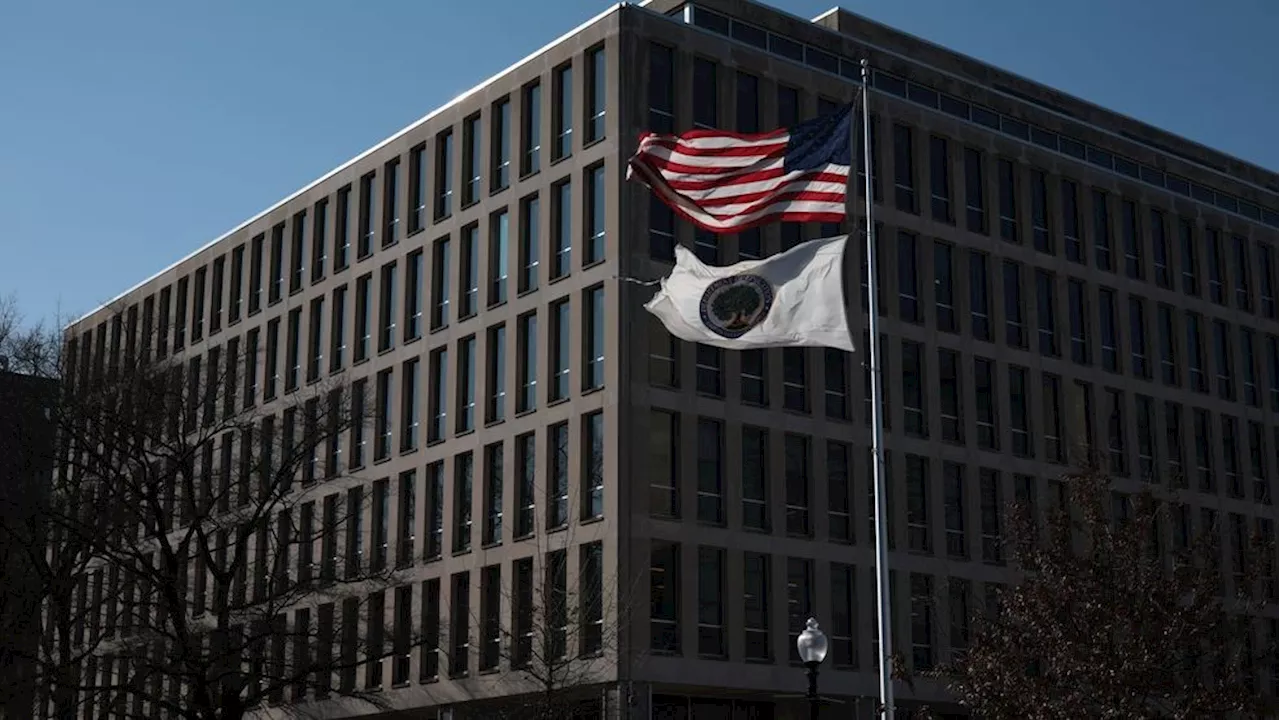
x: 732, y: 306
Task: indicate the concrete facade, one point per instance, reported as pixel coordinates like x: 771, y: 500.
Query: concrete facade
x: 972, y: 171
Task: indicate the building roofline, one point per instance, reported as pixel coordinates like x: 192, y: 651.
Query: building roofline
x: 836, y: 10
x: 439, y: 110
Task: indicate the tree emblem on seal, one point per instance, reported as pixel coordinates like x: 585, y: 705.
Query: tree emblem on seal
x: 733, y: 305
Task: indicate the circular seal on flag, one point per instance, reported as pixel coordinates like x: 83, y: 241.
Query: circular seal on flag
x: 733, y: 305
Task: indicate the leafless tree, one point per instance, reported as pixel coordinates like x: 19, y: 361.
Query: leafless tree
x: 193, y: 568
x: 1120, y: 611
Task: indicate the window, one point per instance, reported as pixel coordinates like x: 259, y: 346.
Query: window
x: 839, y: 520
x: 795, y: 390
x: 799, y: 600
x: 417, y: 188
x: 796, y: 463
x: 215, y: 299
x: 1045, y: 312
x: 664, y: 456
x: 429, y: 665
x: 1249, y: 362
x: 664, y: 357
x: 1222, y: 358
x: 561, y: 228
x: 498, y: 252
x: 597, y: 93
x: 1081, y: 353
x: 710, y: 471
x: 526, y: 477
x: 391, y: 202
x: 1117, y: 453
x: 275, y: 288
x: 315, y: 339
x: 387, y: 308
x: 500, y: 144
x: 407, y: 518
x: 466, y: 384
x: 444, y: 175
x: 1051, y: 402
x: 843, y: 620
x: 1213, y: 250
x: 355, y: 531
x: 530, y: 128
x: 1134, y: 263
x: 1174, y: 444
x: 919, y: 531
x: 755, y: 478
x: 1107, y: 325
x: 975, y: 209
x: 463, y: 471
x: 747, y: 102
x: 1138, y: 337
x: 1195, y: 354
x: 590, y: 598
x: 529, y: 250
x: 342, y: 229
x: 943, y: 289
x: 1266, y: 269
x: 293, y: 351
x: 527, y: 362
x: 440, y: 274
x: 469, y: 290
x: 711, y: 591
x: 596, y: 199
x: 705, y: 94
x: 908, y: 278
x: 381, y: 523
x: 836, y: 391
x: 1015, y: 331
x: 904, y: 187
x: 1019, y: 415
x: 1040, y: 213
x: 364, y: 316
x: 1071, y: 222
x: 950, y: 397
x: 367, y: 230
x: 1258, y: 464
x: 1160, y: 250
x: 593, y: 343
x: 661, y: 89
x: 438, y: 392
x: 559, y: 348
x: 495, y: 373
x: 413, y: 296
x: 255, y: 281
x: 1146, y: 437
x: 755, y: 606
x: 939, y: 179
x: 434, y: 544
x: 472, y: 142
x: 913, y: 381
x: 664, y: 598
x: 662, y: 228
x: 522, y: 613
x: 708, y: 369
x: 558, y: 470
x: 460, y: 625
x: 592, y: 450
x: 1169, y: 372
x: 979, y: 297
x: 1190, y: 257
x: 493, y: 480
x: 382, y: 420
x: 1244, y: 296
x: 953, y: 509
x: 409, y: 398
x: 1007, y: 175
x: 562, y: 112
x: 984, y: 394
x: 922, y: 654
x: 991, y: 505
x: 1101, y: 231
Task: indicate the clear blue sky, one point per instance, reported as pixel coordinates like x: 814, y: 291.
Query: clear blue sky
x: 133, y: 132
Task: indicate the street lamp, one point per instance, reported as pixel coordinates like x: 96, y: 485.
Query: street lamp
x: 812, y: 646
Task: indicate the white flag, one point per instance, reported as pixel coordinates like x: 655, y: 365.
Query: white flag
x: 795, y: 298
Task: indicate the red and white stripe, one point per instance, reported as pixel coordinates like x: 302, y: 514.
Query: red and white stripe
x: 729, y: 182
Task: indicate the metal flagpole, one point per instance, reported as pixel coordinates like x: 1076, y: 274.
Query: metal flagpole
x: 883, y: 609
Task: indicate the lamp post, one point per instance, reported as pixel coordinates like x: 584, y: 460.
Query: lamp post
x: 812, y: 646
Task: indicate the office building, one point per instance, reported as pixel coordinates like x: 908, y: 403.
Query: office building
x: 1052, y: 276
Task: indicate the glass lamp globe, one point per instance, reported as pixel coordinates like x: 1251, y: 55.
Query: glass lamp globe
x: 812, y: 643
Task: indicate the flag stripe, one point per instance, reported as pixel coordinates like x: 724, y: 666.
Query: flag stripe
x: 728, y: 182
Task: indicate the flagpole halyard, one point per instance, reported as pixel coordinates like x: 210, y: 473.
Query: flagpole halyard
x: 883, y: 608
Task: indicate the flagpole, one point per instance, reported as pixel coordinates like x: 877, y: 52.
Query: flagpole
x: 883, y: 608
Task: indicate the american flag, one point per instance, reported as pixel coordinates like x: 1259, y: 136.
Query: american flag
x: 727, y: 182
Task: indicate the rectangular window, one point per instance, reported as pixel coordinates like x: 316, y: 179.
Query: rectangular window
x: 529, y: 250
x: 710, y: 471
x: 367, y: 229
x: 836, y: 388
x: 255, y: 277
x: 355, y: 531
x: 662, y: 95
x: 1107, y: 326
x: 943, y: 287
x: 434, y: 542
x: 1138, y: 337
x: 706, y: 96
x: 469, y: 286
x: 597, y: 93
x: 979, y: 296
x: 527, y: 362
x: 1046, y: 312
x: 908, y: 278
x: 526, y: 477
x: 954, y: 493
x: 382, y: 418
x: 664, y: 468
x: 796, y: 464
x: 839, y: 515
x: 338, y: 329
x: 391, y: 202
x: 417, y: 188
x: 1019, y: 415
x: 438, y: 392
x: 440, y: 274
x: 463, y: 472
x: 444, y: 175
x: 1240, y: 252
x: 387, y: 308
x: 919, y: 531
x: 756, y: 582
x: 1040, y: 213
x: 315, y: 339
x: 1203, y: 430
x: 662, y: 228
x: 708, y: 369
x: 275, y: 288
x: 711, y: 592
x: 381, y: 523
x: 460, y: 624
x: 466, y: 384
x: 1146, y: 437
x: 590, y: 599
x: 1051, y: 402
x: 593, y: 465
x: 494, y: 477
x: 664, y: 598
x: 342, y: 229
x: 319, y: 249
x: 593, y: 343
x: 562, y: 111
x: 844, y: 652
x: 561, y: 228
x: 409, y: 399
x: 500, y: 145
x: 1117, y: 451
x: 1071, y: 222
x: 215, y: 297
x: 1134, y: 262
x: 472, y: 146
x: 1101, y: 231
x: 429, y: 662
x: 974, y: 187
x: 558, y: 344
x: 747, y: 103
x: 939, y: 179
x: 913, y: 389
x: 1169, y: 372
x: 799, y: 600
x: 406, y: 518
x: 1190, y: 257
x: 950, y: 397
x: 496, y: 373
x: 1195, y: 354
x: 1223, y: 360
x: 530, y: 129
x: 984, y: 394
x: 558, y: 475
x: 293, y: 351
x: 413, y: 296
x: 595, y: 202
x: 1007, y: 175
x: 1015, y: 331
x: 498, y: 254
x: 904, y: 186
x: 1249, y: 362
x: 922, y: 616
x: 364, y: 316
x: 1077, y: 307
x: 991, y: 507
x: 298, y: 252
x: 1160, y: 250
x: 1213, y: 253
x: 795, y: 389
x: 755, y: 478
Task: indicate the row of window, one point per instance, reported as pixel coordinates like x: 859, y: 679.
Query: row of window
x: 1041, y: 138
x: 316, y: 650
